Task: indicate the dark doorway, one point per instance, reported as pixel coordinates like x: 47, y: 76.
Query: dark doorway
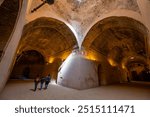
x: 135, y: 76
x: 28, y: 65
x: 142, y: 76
x: 26, y: 72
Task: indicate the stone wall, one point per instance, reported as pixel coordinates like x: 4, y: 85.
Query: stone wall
x: 80, y: 71
x: 144, y: 6
x: 7, y: 61
x: 7, y: 9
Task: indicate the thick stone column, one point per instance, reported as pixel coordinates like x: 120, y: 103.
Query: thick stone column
x: 78, y: 72
x: 7, y: 60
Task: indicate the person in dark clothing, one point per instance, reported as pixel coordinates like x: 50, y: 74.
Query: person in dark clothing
x: 47, y: 81
x: 36, y: 82
x: 42, y: 82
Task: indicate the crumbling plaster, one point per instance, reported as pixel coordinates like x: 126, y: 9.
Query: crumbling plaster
x: 82, y: 14
x: 48, y: 36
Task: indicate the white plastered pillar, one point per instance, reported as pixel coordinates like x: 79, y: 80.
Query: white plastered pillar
x: 78, y: 72
x: 7, y: 60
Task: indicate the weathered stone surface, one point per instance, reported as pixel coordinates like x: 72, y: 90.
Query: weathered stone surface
x: 8, y: 14
x: 118, y: 38
x: 48, y: 36
x: 80, y: 14
x: 78, y: 72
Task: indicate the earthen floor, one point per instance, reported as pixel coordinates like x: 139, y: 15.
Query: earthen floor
x: 23, y: 90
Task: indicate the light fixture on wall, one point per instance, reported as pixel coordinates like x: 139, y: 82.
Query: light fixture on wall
x: 50, y: 2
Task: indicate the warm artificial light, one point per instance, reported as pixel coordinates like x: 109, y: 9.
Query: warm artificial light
x: 111, y: 62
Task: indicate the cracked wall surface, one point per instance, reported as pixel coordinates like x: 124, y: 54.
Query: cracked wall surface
x: 83, y: 12
x: 80, y: 14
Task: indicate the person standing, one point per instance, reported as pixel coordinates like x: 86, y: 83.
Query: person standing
x: 36, y: 81
x: 47, y: 81
x: 42, y: 82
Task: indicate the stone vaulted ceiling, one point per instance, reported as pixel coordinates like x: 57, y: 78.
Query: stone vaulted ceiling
x: 118, y: 38
x: 48, y: 36
x: 114, y: 37
x: 81, y: 13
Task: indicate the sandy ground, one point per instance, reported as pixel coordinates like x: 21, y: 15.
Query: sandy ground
x: 23, y: 90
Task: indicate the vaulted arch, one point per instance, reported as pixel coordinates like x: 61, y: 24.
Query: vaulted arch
x: 47, y: 35
x: 119, y: 39
x: 51, y: 38
x: 125, y: 33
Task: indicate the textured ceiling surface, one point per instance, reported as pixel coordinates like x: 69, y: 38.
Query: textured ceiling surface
x: 48, y: 36
x: 117, y: 38
x: 81, y: 13
x: 127, y: 39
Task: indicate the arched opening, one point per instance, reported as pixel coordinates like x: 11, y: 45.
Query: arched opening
x: 8, y: 15
x: 45, y: 42
x: 28, y: 65
x: 114, y: 39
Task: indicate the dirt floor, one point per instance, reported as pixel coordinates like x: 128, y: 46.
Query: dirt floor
x: 23, y: 90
